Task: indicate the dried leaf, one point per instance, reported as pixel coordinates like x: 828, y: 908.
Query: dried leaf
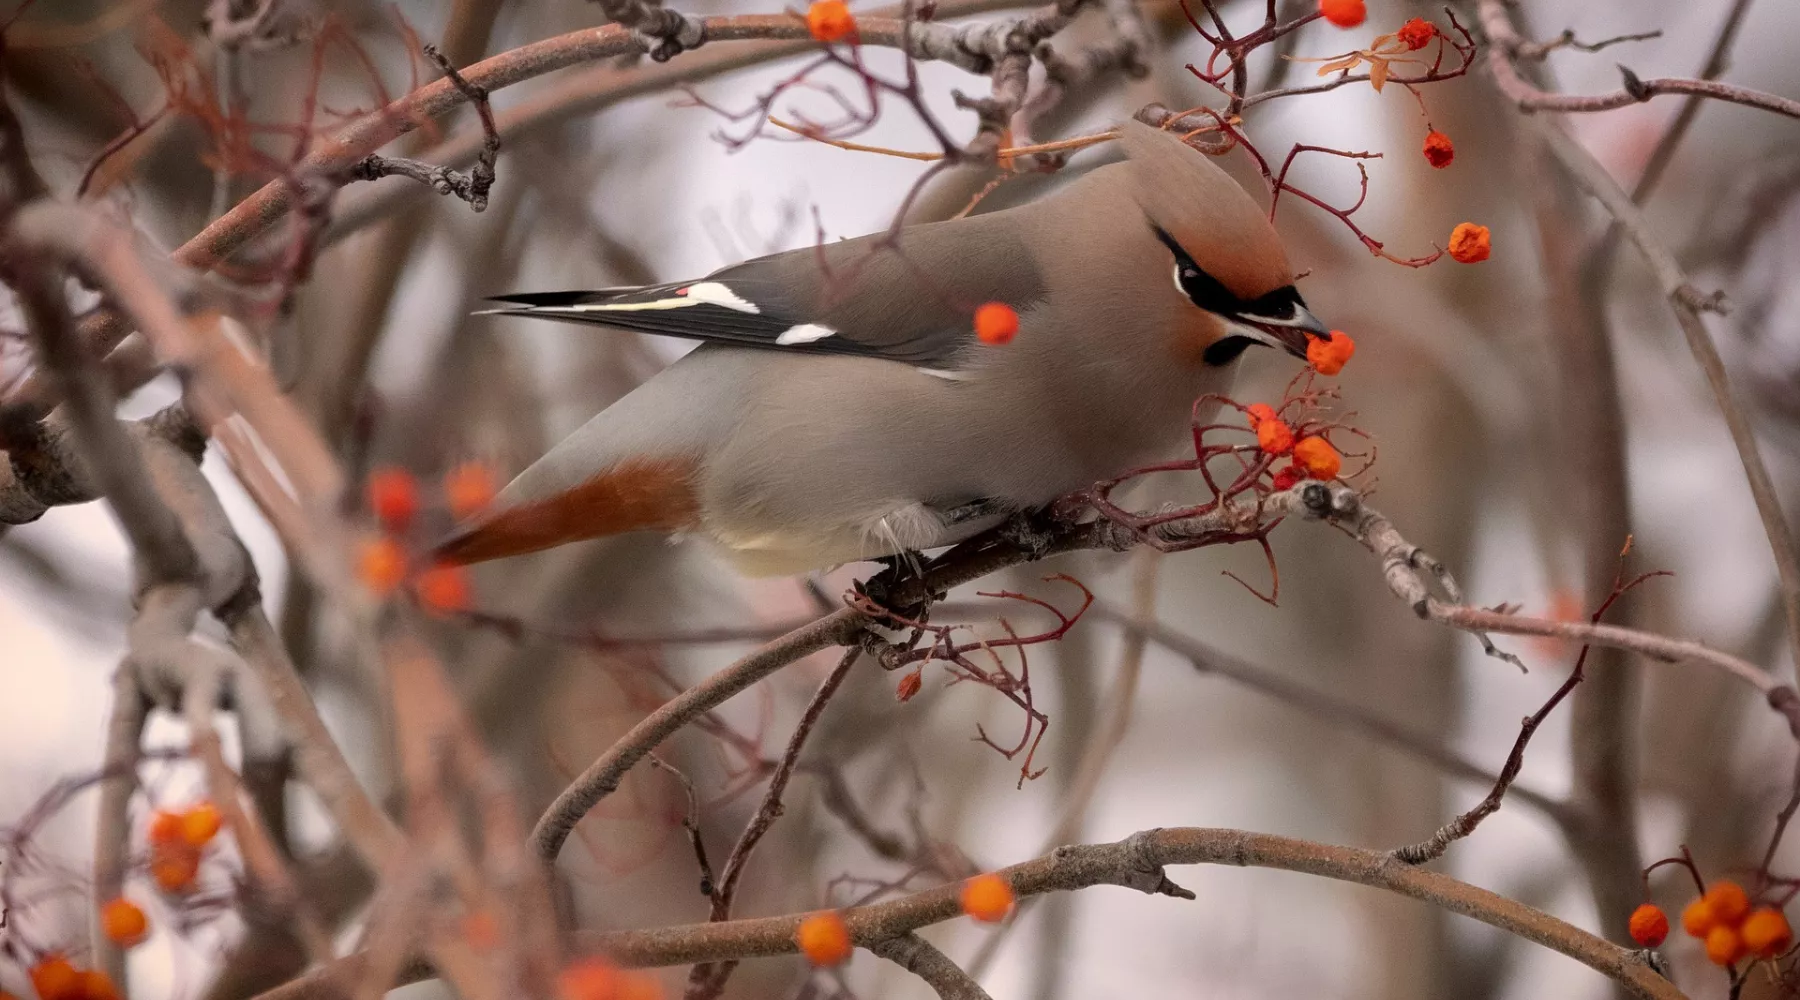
x: 1378, y: 72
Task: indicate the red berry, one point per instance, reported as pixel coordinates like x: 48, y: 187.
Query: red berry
x: 1649, y: 925
x: 1417, y: 33
x: 1344, y: 13
x: 1439, y: 150
x: 996, y: 323
x: 394, y: 497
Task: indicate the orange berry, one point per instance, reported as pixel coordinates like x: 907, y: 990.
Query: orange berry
x: 909, y: 685
x: 124, y: 922
x: 588, y: 979
x: 1328, y: 356
x: 1274, y: 436
x: 200, y: 824
x: 1649, y: 925
x: 1286, y: 478
x: 1697, y: 918
x: 1470, y: 243
x: 638, y: 986
x: 1724, y: 946
x: 394, y: 497
x: 830, y: 20
x: 987, y: 898
x: 174, y: 867
x: 1318, y: 458
x: 443, y: 589
x: 1439, y: 150
x: 1729, y: 902
x: 97, y: 985
x: 481, y: 930
x: 468, y: 489
x: 381, y: 565
x: 1417, y: 33
x: 824, y: 939
x: 55, y: 978
x: 996, y: 323
x: 165, y: 827
x: 1766, y: 933
x: 1344, y: 13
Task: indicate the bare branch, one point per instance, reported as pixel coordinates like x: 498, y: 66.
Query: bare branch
x: 1137, y: 862
x: 919, y: 957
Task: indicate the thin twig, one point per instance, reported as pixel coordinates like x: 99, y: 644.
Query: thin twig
x: 707, y: 981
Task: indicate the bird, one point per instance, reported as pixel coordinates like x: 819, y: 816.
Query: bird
x: 841, y: 408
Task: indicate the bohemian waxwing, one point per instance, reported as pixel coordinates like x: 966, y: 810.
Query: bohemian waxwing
x: 841, y: 407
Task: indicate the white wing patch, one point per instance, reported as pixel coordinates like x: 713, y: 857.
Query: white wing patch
x: 804, y: 333
x: 700, y: 293
x: 720, y: 295
x: 945, y: 374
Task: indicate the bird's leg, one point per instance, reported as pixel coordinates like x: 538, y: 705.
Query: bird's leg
x: 975, y: 510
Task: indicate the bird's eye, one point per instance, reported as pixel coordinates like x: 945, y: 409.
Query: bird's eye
x: 1201, y: 289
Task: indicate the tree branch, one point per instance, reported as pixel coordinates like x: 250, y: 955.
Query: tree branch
x: 921, y: 958
x: 1137, y: 862
x: 1496, y: 22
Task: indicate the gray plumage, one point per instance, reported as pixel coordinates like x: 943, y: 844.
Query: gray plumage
x: 863, y: 434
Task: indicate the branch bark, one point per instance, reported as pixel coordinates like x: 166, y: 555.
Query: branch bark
x: 1137, y: 862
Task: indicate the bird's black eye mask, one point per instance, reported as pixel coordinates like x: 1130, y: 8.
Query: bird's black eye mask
x: 1208, y: 293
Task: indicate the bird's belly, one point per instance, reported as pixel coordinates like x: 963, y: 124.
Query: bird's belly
x: 907, y: 527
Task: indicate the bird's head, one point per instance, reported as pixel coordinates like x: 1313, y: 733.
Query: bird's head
x: 1223, y: 255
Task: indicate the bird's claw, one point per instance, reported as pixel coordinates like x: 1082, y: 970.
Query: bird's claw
x: 901, y: 573
x: 1032, y: 532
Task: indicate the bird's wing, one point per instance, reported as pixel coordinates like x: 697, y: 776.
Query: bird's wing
x: 907, y: 296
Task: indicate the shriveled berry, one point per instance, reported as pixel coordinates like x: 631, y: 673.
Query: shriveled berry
x: 1417, y: 33
x: 1439, y: 150
x: 1329, y: 355
x: 1318, y: 458
x: 1470, y: 243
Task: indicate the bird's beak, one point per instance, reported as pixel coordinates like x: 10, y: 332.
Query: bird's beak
x: 1288, y: 334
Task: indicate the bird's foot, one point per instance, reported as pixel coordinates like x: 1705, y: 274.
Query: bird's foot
x: 902, y: 574
x: 1033, y: 532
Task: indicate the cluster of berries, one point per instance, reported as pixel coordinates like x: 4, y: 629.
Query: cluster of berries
x: 178, y: 840
x: 382, y: 561
x: 1725, y: 920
